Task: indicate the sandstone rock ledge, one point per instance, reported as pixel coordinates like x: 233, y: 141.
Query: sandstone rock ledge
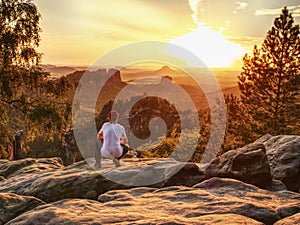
x: 214, y: 201
x: 235, y: 188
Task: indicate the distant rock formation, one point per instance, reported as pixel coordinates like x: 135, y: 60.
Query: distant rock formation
x: 109, y: 90
x: 166, y: 71
x: 222, y: 192
x: 58, y: 71
x: 115, y: 75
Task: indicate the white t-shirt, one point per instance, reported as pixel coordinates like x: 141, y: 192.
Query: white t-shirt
x: 112, y: 133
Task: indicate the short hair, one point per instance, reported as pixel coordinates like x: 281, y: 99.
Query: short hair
x: 113, y: 115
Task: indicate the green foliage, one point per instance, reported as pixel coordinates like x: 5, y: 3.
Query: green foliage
x: 270, y: 81
x: 239, y: 127
x: 30, y: 100
x: 165, y: 146
x: 19, y: 27
x: 44, y: 148
x: 269, y: 86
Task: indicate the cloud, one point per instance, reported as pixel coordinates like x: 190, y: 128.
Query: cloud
x: 264, y: 12
x: 194, y: 7
x: 247, y: 42
x: 241, y: 5
x: 295, y: 10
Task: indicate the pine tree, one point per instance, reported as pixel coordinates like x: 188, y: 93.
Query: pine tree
x: 238, y: 127
x: 270, y: 80
x: 29, y: 99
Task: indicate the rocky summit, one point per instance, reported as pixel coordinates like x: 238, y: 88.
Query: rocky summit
x: 256, y: 184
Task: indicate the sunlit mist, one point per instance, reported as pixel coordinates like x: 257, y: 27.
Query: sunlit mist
x: 210, y: 46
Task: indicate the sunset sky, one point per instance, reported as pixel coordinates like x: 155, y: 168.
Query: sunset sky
x: 78, y: 32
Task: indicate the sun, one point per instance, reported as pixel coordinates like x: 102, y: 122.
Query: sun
x: 210, y: 46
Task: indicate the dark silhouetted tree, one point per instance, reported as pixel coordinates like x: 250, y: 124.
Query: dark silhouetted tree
x: 270, y: 80
x: 29, y: 99
x: 239, y: 126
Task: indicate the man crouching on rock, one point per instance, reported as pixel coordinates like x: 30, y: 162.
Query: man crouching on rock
x: 114, y: 140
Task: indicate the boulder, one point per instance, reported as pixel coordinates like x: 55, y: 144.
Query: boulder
x: 78, y: 211
x: 155, y: 173
x: 291, y: 220
x: 287, y: 202
x: 148, y: 191
x: 55, y: 185
x: 214, y: 201
x: 13, y: 205
x: 276, y: 185
x: 189, y: 175
x: 283, y: 152
x: 81, y: 181
x: 248, y: 164
x: 28, y: 166
x: 216, y: 196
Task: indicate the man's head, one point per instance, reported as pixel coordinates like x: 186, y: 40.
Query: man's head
x: 113, y: 116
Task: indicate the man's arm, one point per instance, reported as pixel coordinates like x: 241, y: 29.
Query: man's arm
x: 100, y: 135
x: 123, y: 139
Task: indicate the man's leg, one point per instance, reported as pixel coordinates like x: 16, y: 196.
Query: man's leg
x: 125, y: 150
x: 116, y: 160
